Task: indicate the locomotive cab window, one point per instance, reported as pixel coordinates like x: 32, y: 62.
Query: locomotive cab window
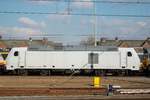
x: 16, y: 53
x: 129, y: 54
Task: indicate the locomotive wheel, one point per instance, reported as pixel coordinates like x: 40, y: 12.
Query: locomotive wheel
x: 100, y: 72
x: 45, y: 72
x: 97, y: 72
x: 22, y: 72
x: 103, y: 73
x: 122, y: 73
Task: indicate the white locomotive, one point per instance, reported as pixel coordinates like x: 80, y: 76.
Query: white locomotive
x: 22, y: 60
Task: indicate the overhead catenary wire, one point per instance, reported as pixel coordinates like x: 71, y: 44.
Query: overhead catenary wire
x: 79, y: 14
x: 52, y: 36
x: 99, y: 1
x: 69, y: 12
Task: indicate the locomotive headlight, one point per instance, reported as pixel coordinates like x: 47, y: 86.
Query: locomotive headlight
x: 4, y: 62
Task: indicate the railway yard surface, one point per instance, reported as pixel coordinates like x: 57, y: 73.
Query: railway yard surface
x: 72, y: 82
x: 75, y: 87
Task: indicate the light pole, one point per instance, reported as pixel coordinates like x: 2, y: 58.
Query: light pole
x: 95, y: 24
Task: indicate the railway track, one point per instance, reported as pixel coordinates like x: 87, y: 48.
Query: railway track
x: 15, y: 91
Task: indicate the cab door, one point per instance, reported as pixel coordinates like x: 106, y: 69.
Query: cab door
x: 13, y: 61
x: 130, y: 60
x: 21, y: 60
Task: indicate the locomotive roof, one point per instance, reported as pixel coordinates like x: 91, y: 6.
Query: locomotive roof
x: 75, y: 48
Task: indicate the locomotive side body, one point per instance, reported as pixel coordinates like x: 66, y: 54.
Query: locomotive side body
x: 122, y: 59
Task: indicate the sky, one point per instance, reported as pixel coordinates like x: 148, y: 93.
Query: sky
x: 71, y: 29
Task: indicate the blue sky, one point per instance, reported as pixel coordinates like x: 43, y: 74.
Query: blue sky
x: 71, y: 29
